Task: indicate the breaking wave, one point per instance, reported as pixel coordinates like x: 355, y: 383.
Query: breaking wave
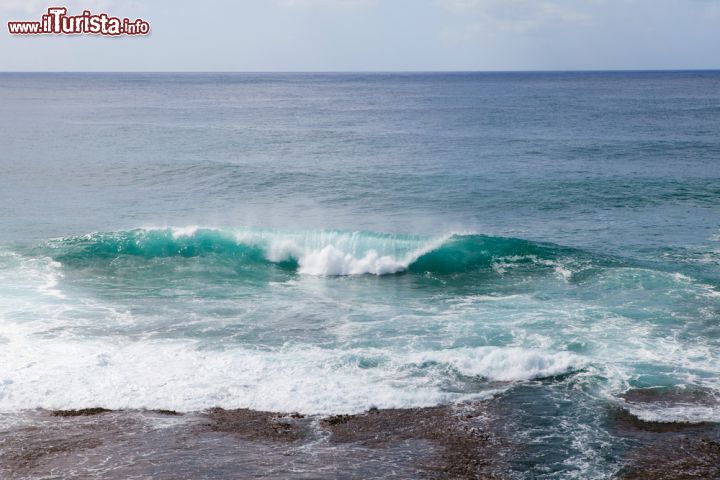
x: 316, y: 252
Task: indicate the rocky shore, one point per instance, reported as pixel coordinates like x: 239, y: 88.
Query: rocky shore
x: 455, y: 442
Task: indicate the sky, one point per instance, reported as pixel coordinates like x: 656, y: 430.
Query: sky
x: 376, y: 35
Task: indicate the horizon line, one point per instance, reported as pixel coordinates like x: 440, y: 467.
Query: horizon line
x: 612, y: 70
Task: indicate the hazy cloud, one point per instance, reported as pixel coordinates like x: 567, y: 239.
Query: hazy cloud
x: 324, y: 3
x: 37, y: 7
x: 517, y: 16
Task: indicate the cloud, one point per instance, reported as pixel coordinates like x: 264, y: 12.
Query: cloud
x: 22, y: 6
x: 38, y: 7
x: 325, y: 3
x: 515, y: 16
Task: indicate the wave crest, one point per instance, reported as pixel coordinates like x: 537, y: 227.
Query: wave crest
x: 317, y: 252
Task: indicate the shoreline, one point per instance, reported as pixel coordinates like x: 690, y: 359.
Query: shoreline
x: 433, y: 442
x: 463, y: 441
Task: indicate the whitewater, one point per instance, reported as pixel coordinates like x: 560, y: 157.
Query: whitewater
x: 91, y: 341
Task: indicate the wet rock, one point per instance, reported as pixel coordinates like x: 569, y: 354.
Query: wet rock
x: 254, y: 425
x: 466, y: 449
x: 170, y: 413
x: 681, y: 458
x: 84, y: 412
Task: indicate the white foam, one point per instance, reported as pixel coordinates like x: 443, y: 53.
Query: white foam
x: 711, y: 292
x: 27, y: 276
x: 332, y: 261
x: 60, y: 374
x: 506, y: 364
x: 329, y: 253
x: 280, y: 250
x: 678, y: 413
x: 189, y: 231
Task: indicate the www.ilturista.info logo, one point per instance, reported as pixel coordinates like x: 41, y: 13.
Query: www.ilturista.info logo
x: 57, y: 22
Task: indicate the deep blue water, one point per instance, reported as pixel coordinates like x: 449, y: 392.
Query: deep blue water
x: 326, y: 243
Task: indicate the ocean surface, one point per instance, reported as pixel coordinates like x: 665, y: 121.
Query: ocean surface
x: 328, y: 243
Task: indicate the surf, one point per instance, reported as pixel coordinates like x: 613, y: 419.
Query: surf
x: 315, y: 252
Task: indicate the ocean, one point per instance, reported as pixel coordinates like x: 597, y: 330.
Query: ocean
x: 548, y: 243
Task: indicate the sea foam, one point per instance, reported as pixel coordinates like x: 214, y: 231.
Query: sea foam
x: 62, y: 373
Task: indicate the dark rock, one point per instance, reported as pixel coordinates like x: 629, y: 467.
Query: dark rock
x: 84, y: 412
x: 682, y: 458
x: 466, y: 451
x: 167, y: 412
x: 253, y: 425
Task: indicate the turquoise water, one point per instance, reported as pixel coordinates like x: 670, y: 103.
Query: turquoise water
x: 330, y: 243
